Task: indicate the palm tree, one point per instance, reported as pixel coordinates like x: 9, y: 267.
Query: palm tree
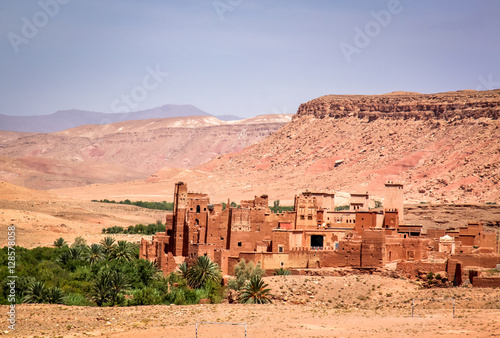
x: 182, y: 269
x: 202, y: 271
x: 123, y: 251
x: 146, y: 271
x: 55, y: 296
x: 60, y: 242
x: 255, y: 292
x: 36, y: 293
x: 100, y: 291
x: 119, y: 283
x: 94, y: 254
x: 76, y: 253
x: 79, y: 242
x: 107, y: 244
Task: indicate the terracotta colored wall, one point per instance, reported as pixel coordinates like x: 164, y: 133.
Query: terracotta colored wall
x: 412, y: 269
x: 486, y: 282
x: 373, y: 249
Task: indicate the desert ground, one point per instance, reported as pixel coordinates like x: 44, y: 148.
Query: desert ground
x: 341, y: 305
x: 304, y: 306
x: 42, y: 217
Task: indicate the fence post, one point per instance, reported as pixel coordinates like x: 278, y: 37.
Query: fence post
x: 412, y: 306
x: 196, y: 329
x: 453, y: 307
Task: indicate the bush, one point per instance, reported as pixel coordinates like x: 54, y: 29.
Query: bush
x: 244, y: 272
x: 255, y: 292
x: 282, y: 272
x: 76, y: 299
x: 145, y: 296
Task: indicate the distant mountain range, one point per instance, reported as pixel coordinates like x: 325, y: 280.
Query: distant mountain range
x: 66, y: 119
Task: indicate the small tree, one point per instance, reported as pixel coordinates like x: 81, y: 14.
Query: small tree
x: 202, y: 271
x: 36, y: 293
x: 255, y: 292
x: 244, y: 272
x: 94, y: 254
x: 122, y: 252
x: 60, y: 242
x: 79, y: 242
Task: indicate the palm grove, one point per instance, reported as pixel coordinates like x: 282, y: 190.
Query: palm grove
x: 111, y: 274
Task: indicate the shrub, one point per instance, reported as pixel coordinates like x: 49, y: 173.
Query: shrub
x: 202, y: 271
x: 244, y: 272
x: 282, y: 272
x: 75, y: 299
x: 145, y: 296
x: 255, y: 292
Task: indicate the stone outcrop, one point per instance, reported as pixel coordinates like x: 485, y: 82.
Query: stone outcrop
x: 447, y: 106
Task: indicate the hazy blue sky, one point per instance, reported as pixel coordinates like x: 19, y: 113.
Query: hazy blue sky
x: 239, y: 57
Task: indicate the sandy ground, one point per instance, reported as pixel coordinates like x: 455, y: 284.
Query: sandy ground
x: 40, y: 218
x: 349, y: 306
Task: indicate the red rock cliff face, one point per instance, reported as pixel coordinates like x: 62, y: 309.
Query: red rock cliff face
x: 444, y: 147
x: 446, y: 106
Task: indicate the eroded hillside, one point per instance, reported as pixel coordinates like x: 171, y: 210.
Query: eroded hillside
x: 444, y: 147
x: 126, y: 150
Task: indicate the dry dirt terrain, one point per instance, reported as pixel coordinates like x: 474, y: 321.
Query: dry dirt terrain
x: 124, y: 151
x: 40, y: 218
x: 443, y: 147
x: 348, y: 306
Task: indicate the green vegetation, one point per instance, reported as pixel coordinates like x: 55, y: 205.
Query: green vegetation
x: 233, y: 205
x: 282, y: 272
x: 149, y: 205
x: 255, y: 292
x: 342, y: 207
x: 149, y: 229
x: 244, y: 272
x: 378, y: 204
x: 276, y: 208
x: 204, y: 271
x: 105, y: 274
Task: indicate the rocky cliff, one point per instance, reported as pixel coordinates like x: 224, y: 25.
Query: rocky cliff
x: 444, y: 147
x: 405, y: 105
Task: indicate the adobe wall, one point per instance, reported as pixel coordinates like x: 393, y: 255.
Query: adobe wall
x: 365, y: 220
x: 416, y: 268
x: 281, y: 239
x: 486, y: 282
x: 489, y: 240
x: 479, y: 260
x: 221, y: 257
x: 217, y: 229
x: 373, y: 248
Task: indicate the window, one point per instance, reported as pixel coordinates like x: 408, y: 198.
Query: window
x: 280, y: 248
x: 198, y: 208
x: 317, y: 241
x: 239, y: 243
x: 282, y: 264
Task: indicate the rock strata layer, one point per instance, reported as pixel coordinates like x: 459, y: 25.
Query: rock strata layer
x: 446, y: 106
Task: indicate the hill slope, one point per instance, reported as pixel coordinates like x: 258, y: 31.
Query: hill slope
x: 444, y: 147
x: 126, y: 150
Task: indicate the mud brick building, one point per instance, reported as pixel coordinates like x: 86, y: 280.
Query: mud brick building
x: 317, y: 235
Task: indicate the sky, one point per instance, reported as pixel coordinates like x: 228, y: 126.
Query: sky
x: 238, y: 57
